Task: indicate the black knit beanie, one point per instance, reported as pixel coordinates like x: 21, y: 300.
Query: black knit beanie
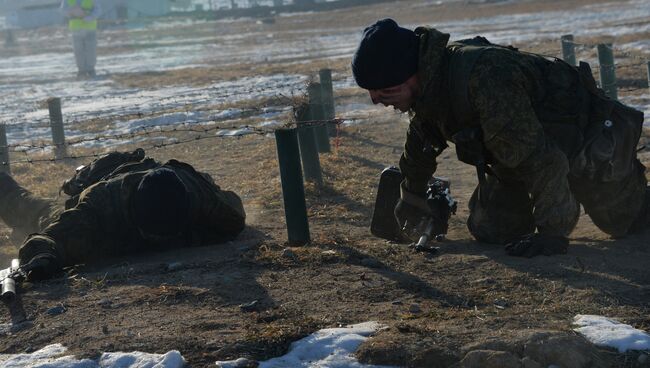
x: 387, y: 55
x: 161, y: 203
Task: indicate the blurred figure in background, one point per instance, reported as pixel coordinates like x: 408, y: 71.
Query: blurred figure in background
x: 82, y: 21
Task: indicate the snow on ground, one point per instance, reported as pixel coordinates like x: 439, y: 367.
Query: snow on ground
x: 603, y: 331
x: 26, y: 81
x: 103, y: 99
x: 52, y: 356
x: 332, y: 348
x: 607, y: 19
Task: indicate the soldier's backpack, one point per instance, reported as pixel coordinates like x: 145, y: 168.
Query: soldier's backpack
x: 599, y: 135
x: 609, y: 150
x: 96, y: 171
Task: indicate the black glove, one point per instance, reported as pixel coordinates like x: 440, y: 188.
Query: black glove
x: 532, y: 245
x: 41, y: 267
x: 410, y: 210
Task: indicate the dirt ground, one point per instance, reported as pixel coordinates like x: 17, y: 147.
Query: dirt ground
x: 435, y: 307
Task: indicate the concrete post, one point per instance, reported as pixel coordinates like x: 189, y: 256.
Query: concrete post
x: 293, y: 191
x: 308, y: 148
x: 328, y: 99
x: 648, y: 67
x: 607, y: 70
x: 56, y: 124
x: 316, y: 113
x: 568, y: 49
x: 4, y: 150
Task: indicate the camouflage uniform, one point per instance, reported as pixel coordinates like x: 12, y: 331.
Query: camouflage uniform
x: 541, y: 134
x: 99, y: 222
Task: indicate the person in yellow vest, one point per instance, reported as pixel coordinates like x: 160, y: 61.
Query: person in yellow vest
x: 82, y: 21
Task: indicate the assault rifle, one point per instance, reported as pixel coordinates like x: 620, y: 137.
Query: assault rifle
x: 442, y: 206
x: 434, y: 227
x: 8, y: 278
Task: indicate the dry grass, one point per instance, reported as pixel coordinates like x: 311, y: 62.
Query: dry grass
x: 468, y: 293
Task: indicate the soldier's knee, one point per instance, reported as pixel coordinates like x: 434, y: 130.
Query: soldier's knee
x: 505, y: 213
x: 495, y: 233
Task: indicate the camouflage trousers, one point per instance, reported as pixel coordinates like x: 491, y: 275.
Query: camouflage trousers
x: 505, y: 210
x: 22, y: 211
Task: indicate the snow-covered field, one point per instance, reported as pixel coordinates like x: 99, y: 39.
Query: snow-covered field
x: 26, y: 81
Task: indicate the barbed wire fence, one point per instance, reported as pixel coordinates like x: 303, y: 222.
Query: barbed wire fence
x: 188, y: 127
x: 606, y: 53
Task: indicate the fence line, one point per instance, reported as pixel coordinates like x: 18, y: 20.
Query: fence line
x: 141, y: 131
x: 178, y: 99
x: 244, y: 131
x: 618, y: 50
x: 607, y: 63
x: 161, y: 129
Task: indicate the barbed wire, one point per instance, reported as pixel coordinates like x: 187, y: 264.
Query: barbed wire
x: 197, y: 125
x: 632, y: 89
x: 177, y: 100
x: 148, y: 131
x: 619, y: 51
x: 203, y: 134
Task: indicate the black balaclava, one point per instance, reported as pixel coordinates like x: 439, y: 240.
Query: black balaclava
x: 387, y: 55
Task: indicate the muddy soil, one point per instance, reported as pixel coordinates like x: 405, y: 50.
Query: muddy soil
x: 470, y: 293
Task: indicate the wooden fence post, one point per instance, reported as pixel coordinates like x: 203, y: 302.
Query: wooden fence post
x: 56, y: 124
x: 4, y: 150
x: 293, y: 191
x: 607, y: 70
x: 568, y: 49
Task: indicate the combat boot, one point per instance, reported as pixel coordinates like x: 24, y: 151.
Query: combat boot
x: 22, y: 211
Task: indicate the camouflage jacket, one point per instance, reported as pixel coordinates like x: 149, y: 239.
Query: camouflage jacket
x: 100, y: 223
x: 507, y: 100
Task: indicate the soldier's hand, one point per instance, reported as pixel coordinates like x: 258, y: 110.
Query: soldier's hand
x: 532, y: 245
x: 410, y: 210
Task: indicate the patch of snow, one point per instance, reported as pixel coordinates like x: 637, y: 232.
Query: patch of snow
x: 171, y: 359
x: 233, y: 132
x: 331, y: 347
x: 269, y: 124
x: 603, y: 331
x: 51, y: 356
